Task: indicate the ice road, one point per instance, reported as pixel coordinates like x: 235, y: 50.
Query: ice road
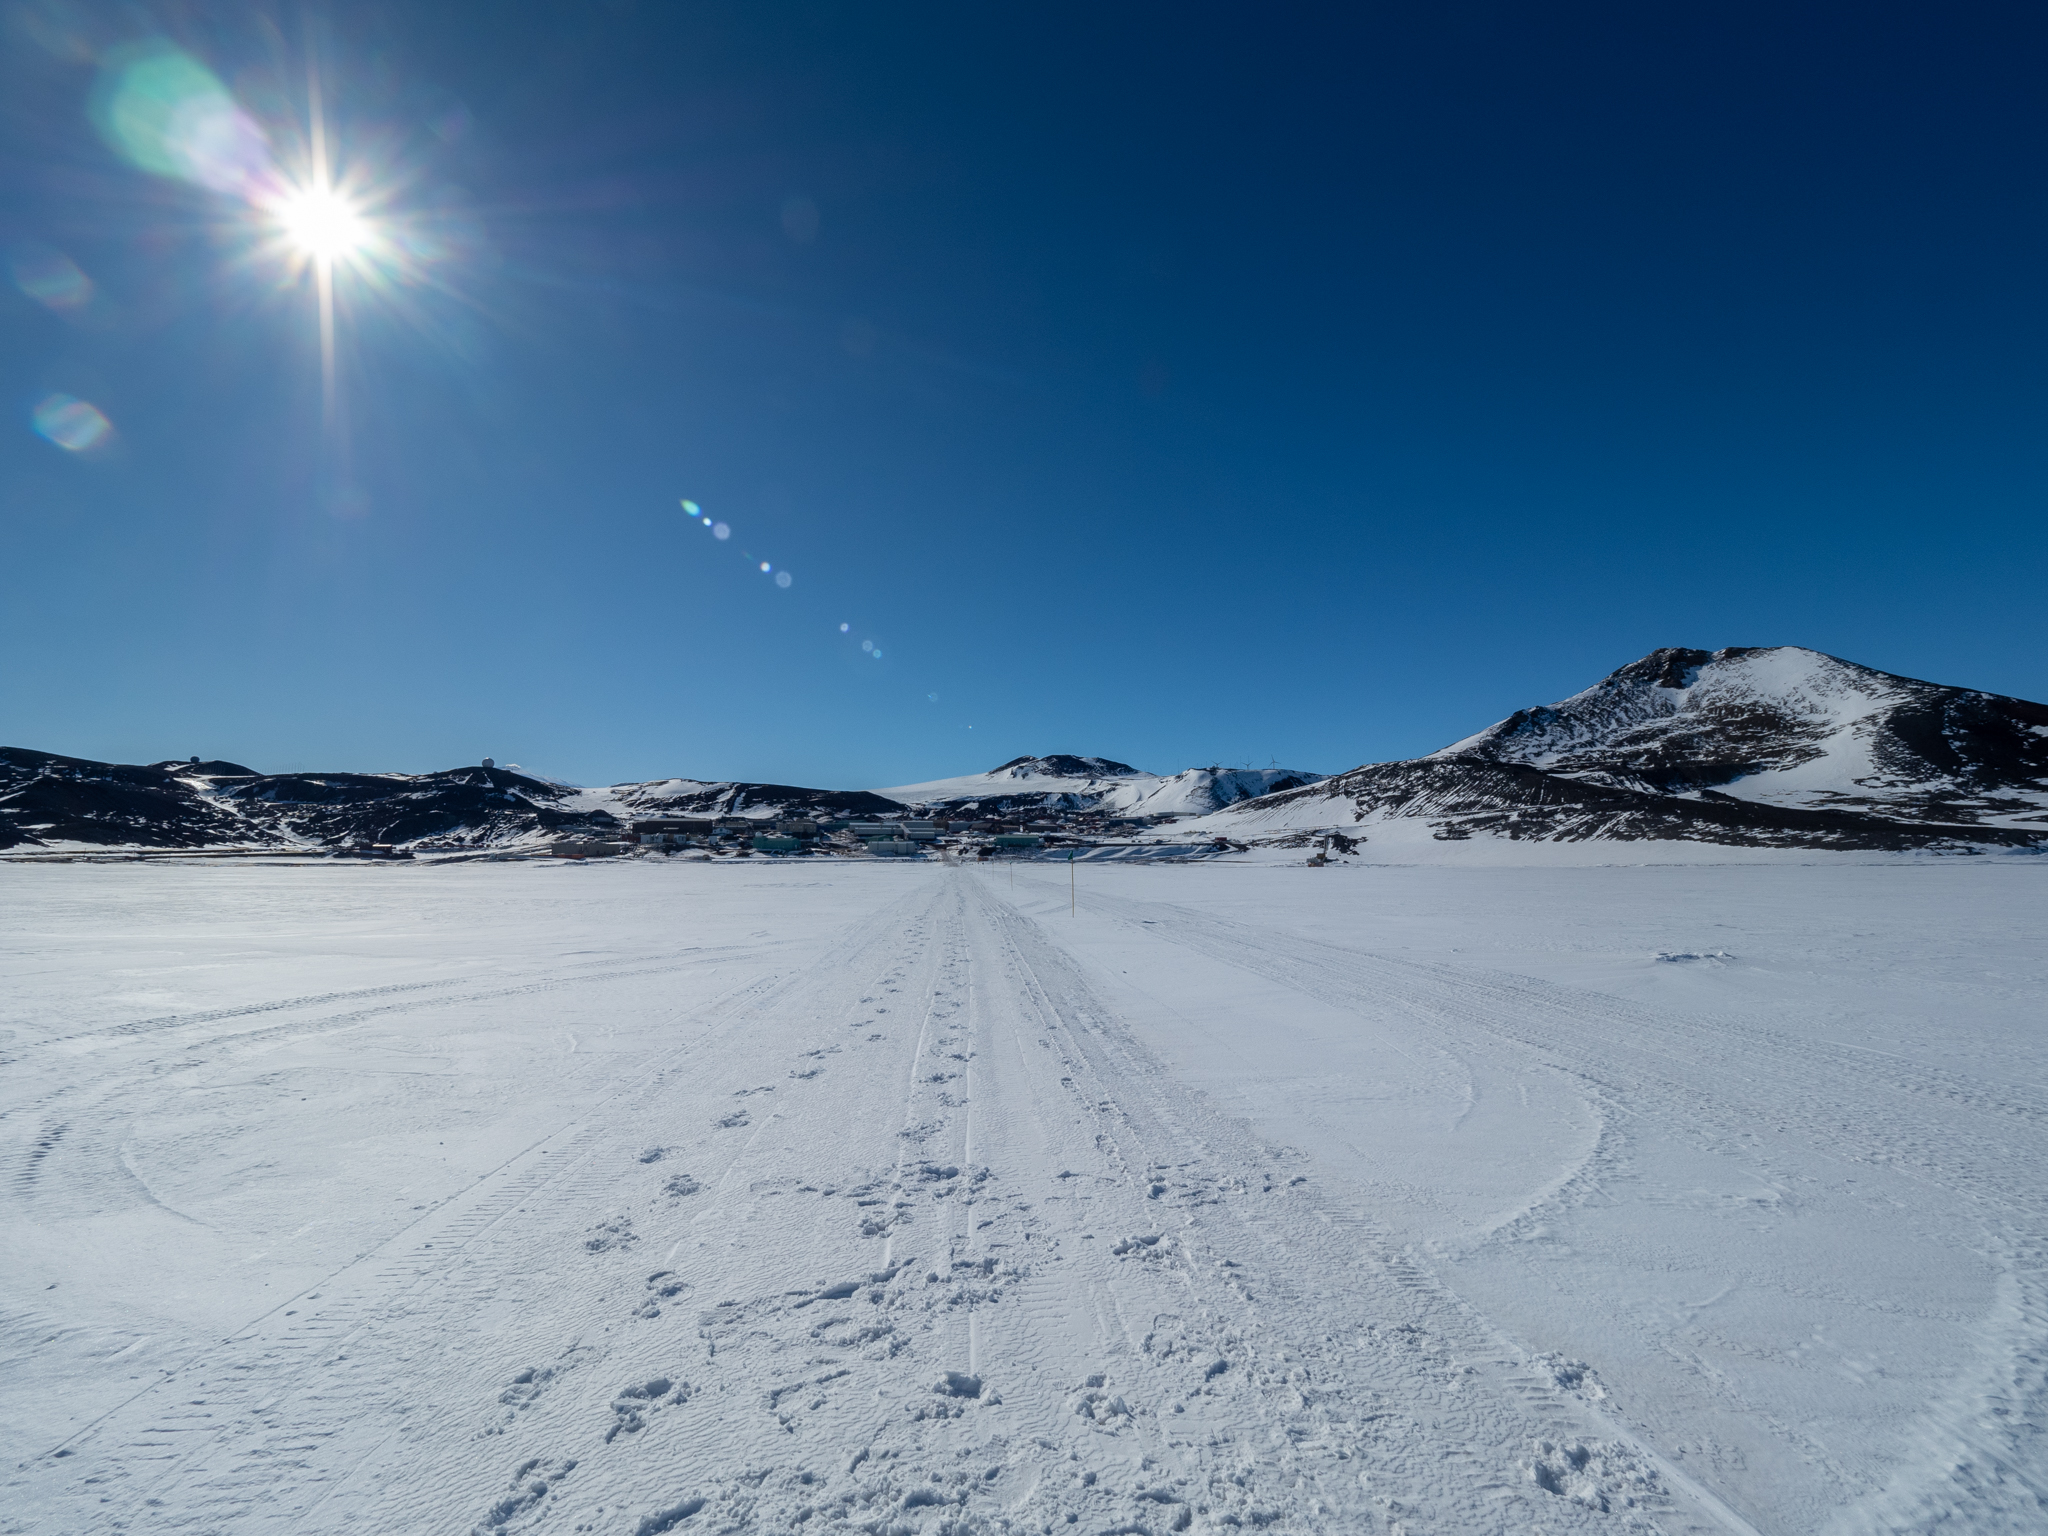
x: 685, y: 1197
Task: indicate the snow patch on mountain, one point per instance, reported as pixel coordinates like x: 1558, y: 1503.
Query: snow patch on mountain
x: 1035, y: 777
x: 1201, y: 791
x: 1064, y: 782
x: 733, y: 798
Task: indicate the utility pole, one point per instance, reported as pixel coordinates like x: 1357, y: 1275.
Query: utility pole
x: 1070, y: 885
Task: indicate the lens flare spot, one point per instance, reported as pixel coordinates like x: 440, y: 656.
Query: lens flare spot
x: 692, y: 508
x: 878, y: 653
x: 422, y: 247
x: 72, y: 424
x: 782, y: 578
x: 933, y: 697
x: 321, y: 223
x: 51, y: 278
x: 844, y: 628
x: 168, y: 113
x: 720, y: 531
x: 765, y: 567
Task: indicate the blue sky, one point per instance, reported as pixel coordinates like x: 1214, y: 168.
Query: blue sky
x: 1183, y: 384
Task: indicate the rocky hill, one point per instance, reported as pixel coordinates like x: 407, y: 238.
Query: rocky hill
x: 1771, y: 747
x: 48, y: 801
x: 52, y: 801
x: 1776, y: 747
x: 1060, y: 782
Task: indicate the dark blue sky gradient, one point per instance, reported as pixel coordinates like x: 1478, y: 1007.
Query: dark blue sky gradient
x: 1182, y: 384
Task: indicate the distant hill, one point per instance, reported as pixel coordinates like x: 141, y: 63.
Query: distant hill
x: 1765, y: 747
x: 689, y: 797
x: 52, y: 802
x: 1060, y: 782
x: 1777, y: 747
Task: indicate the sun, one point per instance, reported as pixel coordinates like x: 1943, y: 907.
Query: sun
x: 322, y: 224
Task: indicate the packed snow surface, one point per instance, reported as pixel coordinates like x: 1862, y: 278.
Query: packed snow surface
x: 692, y: 1196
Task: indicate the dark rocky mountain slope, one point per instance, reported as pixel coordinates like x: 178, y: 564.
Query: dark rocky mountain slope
x: 1769, y: 747
x: 52, y: 801
x: 48, y: 800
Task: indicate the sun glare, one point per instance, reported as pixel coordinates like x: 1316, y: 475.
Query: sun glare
x: 323, y: 224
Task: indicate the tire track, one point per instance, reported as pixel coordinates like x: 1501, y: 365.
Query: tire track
x: 1976, y: 1146
x: 1424, y: 1381
x: 265, y: 1407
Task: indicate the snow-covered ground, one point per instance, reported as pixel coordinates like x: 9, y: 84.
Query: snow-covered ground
x: 693, y: 1196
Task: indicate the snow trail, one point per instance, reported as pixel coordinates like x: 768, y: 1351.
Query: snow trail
x: 1965, y: 1155
x: 915, y: 1234
x: 885, y: 1199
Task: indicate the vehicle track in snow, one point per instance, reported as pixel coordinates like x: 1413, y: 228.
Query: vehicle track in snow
x: 915, y: 1236
x: 1974, y: 1147
x: 104, y: 1106
x: 298, y: 1394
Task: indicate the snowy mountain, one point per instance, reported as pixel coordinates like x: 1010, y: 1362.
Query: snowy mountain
x: 1774, y: 747
x: 1779, y: 746
x: 52, y: 801
x: 1058, y: 782
x: 48, y: 800
x: 45, y: 798
x: 692, y: 797
x: 1064, y: 783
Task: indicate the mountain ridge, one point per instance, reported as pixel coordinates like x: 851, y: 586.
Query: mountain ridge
x: 1772, y: 747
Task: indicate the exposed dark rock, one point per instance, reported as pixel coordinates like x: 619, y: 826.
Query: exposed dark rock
x: 50, y: 800
x: 47, y: 798
x: 1061, y: 765
x: 1769, y: 747
x: 683, y: 797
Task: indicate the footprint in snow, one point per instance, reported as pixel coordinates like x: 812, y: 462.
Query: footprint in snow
x: 631, y: 1407
x: 663, y: 1285
x: 532, y: 1482
x: 526, y: 1387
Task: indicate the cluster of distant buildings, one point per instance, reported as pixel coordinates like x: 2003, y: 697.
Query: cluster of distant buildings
x: 883, y: 836
x: 801, y: 835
